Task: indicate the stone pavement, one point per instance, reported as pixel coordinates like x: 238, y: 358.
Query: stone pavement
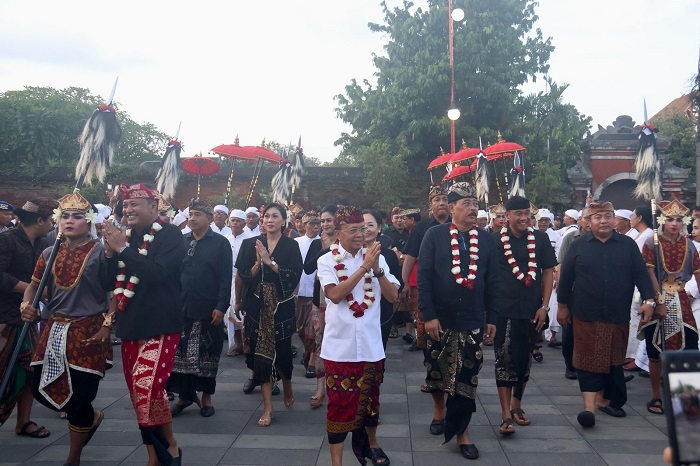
x: 297, y: 434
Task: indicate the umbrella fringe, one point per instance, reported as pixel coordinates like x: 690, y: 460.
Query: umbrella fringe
x: 648, y: 169
x: 98, y: 140
x: 169, y: 171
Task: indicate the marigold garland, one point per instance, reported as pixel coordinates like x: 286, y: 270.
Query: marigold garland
x: 342, y: 273
x: 123, y: 294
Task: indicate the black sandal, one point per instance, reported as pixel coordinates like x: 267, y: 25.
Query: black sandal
x: 378, y: 454
x: 655, y: 403
x: 311, y: 372
x: 506, y: 425
x: 537, y: 356
x: 39, y: 432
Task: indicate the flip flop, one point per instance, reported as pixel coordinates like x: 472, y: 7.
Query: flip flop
x: 94, y: 428
x: 507, y: 427
x: 655, y: 404
x: 378, y: 454
x: 519, y: 417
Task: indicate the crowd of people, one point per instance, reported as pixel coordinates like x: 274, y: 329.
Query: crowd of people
x: 178, y: 289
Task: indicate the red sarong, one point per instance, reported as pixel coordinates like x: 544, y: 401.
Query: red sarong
x: 353, y: 395
x: 147, y: 367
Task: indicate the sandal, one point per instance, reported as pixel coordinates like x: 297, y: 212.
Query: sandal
x: 507, y: 427
x: 234, y: 352
x: 39, y: 432
x: 317, y: 401
x: 265, y: 420
x: 377, y: 455
x: 539, y: 357
x: 519, y: 417
x: 424, y: 388
x: 655, y: 404
x: 393, y: 333
x: 311, y: 372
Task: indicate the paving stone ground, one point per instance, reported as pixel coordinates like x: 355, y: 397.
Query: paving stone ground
x: 297, y: 434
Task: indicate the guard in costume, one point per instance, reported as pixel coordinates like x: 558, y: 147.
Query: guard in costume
x: 78, y: 288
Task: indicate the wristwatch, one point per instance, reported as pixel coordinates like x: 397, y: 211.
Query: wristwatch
x: 379, y: 274
x: 651, y: 303
x: 273, y: 263
x: 121, y: 250
x: 546, y: 308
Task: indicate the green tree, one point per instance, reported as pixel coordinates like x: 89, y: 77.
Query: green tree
x: 683, y: 133
x: 404, y: 116
x: 40, y: 128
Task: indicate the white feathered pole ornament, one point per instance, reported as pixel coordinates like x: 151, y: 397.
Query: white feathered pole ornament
x: 647, y: 164
x: 97, y: 143
x: 281, y: 182
x: 518, y: 171
x: 169, y: 171
x: 482, y: 178
x: 298, y: 168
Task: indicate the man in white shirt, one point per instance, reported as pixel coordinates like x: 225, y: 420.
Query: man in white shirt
x: 545, y: 218
x: 354, y: 280
x: 622, y: 223
x: 570, y: 220
x: 219, y: 223
x: 311, y: 224
x: 233, y: 320
x: 252, y: 215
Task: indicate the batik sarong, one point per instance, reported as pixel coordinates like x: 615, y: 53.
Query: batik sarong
x: 417, y: 317
x: 305, y: 326
x: 513, y: 347
x: 319, y: 327
x: 453, y: 366
x: 63, y: 345
x: 9, y: 334
x: 197, y: 358
x: 599, y: 345
x: 147, y: 367
x: 353, y: 401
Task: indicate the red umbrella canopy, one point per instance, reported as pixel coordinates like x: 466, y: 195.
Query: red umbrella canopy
x: 232, y: 151
x: 459, y: 171
x: 465, y: 154
x: 254, y: 152
x: 505, y: 149
x: 199, y: 165
x: 439, y: 161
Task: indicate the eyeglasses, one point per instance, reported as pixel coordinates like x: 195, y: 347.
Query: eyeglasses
x: 354, y: 231
x: 193, y: 244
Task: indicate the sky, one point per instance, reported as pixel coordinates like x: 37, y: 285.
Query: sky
x: 271, y: 69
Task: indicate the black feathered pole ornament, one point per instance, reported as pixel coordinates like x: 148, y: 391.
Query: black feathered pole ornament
x: 482, y: 178
x: 169, y: 171
x: 97, y: 143
x: 647, y: 165
x: 298, y: 169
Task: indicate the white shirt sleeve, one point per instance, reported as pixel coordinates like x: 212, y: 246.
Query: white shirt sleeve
x: 326, y: 273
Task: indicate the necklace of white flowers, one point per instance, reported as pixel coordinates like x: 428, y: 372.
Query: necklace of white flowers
x: 122, y: 293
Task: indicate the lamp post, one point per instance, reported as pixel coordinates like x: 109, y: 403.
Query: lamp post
x: 453, y: 113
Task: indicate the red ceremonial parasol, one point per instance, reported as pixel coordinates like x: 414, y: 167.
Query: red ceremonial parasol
x: 465, y: 154
x: 459, y: 171
x: 199, y: 166
x: 504, y: 149
x: 234, y: 152
x: 260, y: 154
x: 440, y: 160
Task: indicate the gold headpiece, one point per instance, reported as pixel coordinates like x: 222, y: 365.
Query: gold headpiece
x: 296, y: 209
x: 673, y: 208
x: 533, y: 209
x: 498, y: 209
x: 163, y: 205
x: 74, y: 201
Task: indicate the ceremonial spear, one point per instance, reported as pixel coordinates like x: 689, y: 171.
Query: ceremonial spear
x: 169, y: 171
x: 97, y: 142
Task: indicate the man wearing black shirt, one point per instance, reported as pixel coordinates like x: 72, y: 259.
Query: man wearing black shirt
x: 397, y: 231
x: 526, y: 263
x: 440, y: 214
x: 146, y: 260
x: 604, y: 267
x: 458, y: 289
x: 206, y: 295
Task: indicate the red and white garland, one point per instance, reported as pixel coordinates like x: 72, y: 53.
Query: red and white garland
x: 358, y: 310
x: 123, y: 294
x: 473, y: 257
x: 531, y: 264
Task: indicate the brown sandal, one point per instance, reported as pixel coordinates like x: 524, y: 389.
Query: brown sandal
x: 519, y: 417
x: 507, y: 427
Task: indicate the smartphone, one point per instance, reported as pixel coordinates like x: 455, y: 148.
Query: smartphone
x: 681, y: 373
x: 109, y: 186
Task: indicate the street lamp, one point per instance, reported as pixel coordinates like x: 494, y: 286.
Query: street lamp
x: 453, y: 113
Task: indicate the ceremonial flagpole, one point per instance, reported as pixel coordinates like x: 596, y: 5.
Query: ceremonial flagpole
x: 98, y: 140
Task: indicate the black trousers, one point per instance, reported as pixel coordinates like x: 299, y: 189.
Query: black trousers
x: 567, y: 346
x: 613, y: 385
x: 79, y: 408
